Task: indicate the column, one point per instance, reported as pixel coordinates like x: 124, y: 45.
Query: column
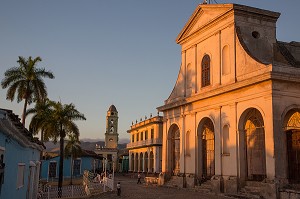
x: 149, y: 168
x: 143, y: 166
x: 182, y: 144
x: 130, y: 169
x: 165, y: 146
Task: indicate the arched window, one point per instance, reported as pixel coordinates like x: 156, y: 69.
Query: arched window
x: 205, y: 69
x: 225, y: 60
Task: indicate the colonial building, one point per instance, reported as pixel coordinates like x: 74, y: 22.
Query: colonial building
x: 145, y: 147
x: 233, y: 117
x: 20, y: 158
x: 73, y: 167
x: 110, y: 150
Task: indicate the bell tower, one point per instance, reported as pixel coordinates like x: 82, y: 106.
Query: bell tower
x: 111, y: 134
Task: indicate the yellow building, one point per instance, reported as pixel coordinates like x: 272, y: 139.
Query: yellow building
x: 145, y: 147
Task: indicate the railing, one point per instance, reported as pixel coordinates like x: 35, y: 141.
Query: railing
x: 91, y: 183
x: 70, y: 191
x: 108, y: 182
x: 144, y: 143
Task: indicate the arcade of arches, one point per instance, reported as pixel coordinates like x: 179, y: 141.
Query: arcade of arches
x: 251, y: 147
x: 142, y: 162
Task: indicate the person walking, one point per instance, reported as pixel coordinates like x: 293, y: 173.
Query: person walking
x: 139, y: 179
x: 119, y: 189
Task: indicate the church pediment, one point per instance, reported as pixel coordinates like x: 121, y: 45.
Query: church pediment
x: 202, y: 17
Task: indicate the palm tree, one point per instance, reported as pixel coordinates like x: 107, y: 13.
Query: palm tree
x: 74, y: 150
x: 26, y: 81
x: 60, y: 122
x: 41, y: 111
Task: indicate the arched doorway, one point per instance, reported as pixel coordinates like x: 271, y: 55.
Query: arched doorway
x: 253, y: 142
x: 292, y: 128
x: 208, y: 148
x: 174, y: 150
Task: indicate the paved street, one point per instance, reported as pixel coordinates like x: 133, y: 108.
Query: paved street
x: 130, y: 189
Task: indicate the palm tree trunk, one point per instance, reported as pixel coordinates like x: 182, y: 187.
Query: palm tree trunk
x: 61, y: 166
x: 42, y: 140
x: 72, y: 163
x: 42, y: 136
x: 24, y: 111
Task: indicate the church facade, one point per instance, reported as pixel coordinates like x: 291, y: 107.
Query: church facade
x: 233, y: 117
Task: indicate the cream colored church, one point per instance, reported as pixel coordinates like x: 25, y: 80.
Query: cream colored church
x: 233, y: 117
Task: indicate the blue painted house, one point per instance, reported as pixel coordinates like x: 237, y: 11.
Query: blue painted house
x: 19, y: 158
x: 88, y: 161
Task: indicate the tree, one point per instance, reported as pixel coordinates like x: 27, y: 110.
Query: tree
x: 26, y: 81
x: 41, y: 112
x: 74, y: 150
x: 60, y: 123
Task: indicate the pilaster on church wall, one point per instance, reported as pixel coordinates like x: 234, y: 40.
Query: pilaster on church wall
x: 269, y: 136
x: 190, y: 74
x: 182, y: 142
x: 164, y: 145
x: 218, y: 144
x: 190, y: 153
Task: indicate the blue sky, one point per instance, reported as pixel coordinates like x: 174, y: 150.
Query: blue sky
x: 109, y: 52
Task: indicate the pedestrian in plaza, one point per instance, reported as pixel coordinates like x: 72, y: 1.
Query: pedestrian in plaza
x: 119, y: 189
x: 139, y: 179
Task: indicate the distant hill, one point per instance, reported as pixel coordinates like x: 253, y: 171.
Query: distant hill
x: 50, y: 146
x: 121, y: 140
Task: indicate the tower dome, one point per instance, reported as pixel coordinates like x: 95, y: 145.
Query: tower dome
x: 112, y: 108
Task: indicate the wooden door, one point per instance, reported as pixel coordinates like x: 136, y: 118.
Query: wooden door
x: 293, y: 149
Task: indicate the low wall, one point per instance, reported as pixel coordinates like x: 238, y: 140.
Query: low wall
x: 289, y: 194
x: 151, y: 180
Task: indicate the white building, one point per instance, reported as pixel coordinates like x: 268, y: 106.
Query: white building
x: 233, y: 117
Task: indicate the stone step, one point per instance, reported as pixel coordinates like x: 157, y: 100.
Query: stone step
x: 254, y: 192
x: 204, y: 186
x: 202, y: 189
x: 244, y: 196
x: 254, y: 184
